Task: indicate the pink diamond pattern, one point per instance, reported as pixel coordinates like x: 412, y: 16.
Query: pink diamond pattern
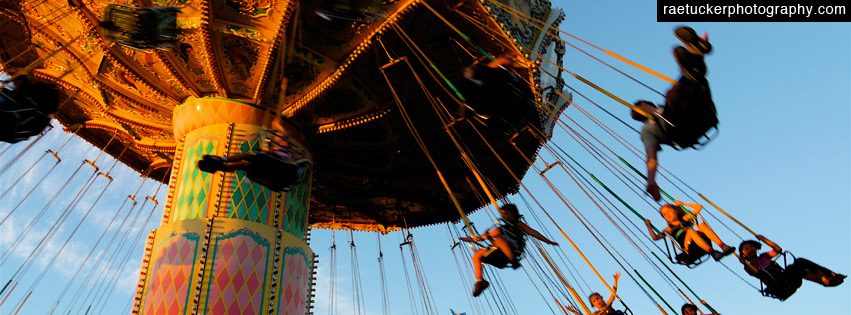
x: 294, y: 282
x: 167, y: 285
x: 235, y: 284
x: 219, y: 307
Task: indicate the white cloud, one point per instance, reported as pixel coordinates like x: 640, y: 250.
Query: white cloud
x: 80, y: 245
x: 130, y: 276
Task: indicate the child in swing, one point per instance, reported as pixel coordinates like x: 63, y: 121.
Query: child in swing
x: 278, y: 169
x: 688, y: 111
x: 596, y: 299
x: 779, y: 282
x: 508, y: 241
x: 693, y: 240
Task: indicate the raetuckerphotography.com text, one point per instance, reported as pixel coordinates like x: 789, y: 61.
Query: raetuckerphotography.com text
x: 752, y: 11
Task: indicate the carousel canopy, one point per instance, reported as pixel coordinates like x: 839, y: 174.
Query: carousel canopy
x: 356, y: 88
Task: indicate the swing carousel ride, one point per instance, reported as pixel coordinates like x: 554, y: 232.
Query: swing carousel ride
x: 373, y: 95
x: 364, y: 89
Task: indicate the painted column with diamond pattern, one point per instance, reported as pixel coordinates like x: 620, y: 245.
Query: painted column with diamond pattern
x: 226, y: 245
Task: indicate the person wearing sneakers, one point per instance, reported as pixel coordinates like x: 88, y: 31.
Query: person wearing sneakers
x: 688, y: 112
x: 781, y: 283
x: 681, y: 227
x: 508, y: 239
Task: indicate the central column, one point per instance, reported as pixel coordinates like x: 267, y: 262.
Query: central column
x: 226, y: 245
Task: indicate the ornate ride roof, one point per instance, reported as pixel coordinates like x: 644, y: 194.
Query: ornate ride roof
x: 326, y: 76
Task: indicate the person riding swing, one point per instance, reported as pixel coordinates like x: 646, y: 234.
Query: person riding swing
x: 780, y: 282
x: 279, y: 168
x: 141, y: 28
x: 497, y: 97
x: 596, y: 299
x: 688, y: 113
x: 508, y: 239
x: 694, y: 241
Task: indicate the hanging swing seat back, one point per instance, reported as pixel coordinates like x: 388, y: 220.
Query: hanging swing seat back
x: 21, y: 115
x: 141, y: 28
x: 271, y: 170
x: 504, y: 98
x: 691, y: 258
x: 516, y: 242
x: 274, y: 172
x: 20, y: 125
x: 690, y: 127
x: 495, y: 257
x: 274, y: 167
x: 778, y: 287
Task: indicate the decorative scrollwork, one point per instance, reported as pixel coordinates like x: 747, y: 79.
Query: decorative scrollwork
x: 252, y: 8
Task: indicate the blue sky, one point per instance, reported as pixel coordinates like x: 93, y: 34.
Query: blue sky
x: 781, y: 165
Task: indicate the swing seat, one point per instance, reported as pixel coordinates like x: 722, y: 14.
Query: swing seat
x: 268, y: 170
x: 20, y: 125
x: 20, y: 117
x: 275, y: 173
x: 141, y: 28
x: 691, y: 258
x: 275, y: 169
x: 502, y: 97
x: 690, y: 127
x: 780, y: 289
x: 361, y: 11
x: 495, y: 257
x: 781, y: 294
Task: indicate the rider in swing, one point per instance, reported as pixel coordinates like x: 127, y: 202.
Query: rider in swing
x: 781, y: 282
x: 688, y: 111
x: 508, y: 241
x: 495, y: 95
x: 277, y: 168
x: 604, y: 307
x: 694, y: 240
